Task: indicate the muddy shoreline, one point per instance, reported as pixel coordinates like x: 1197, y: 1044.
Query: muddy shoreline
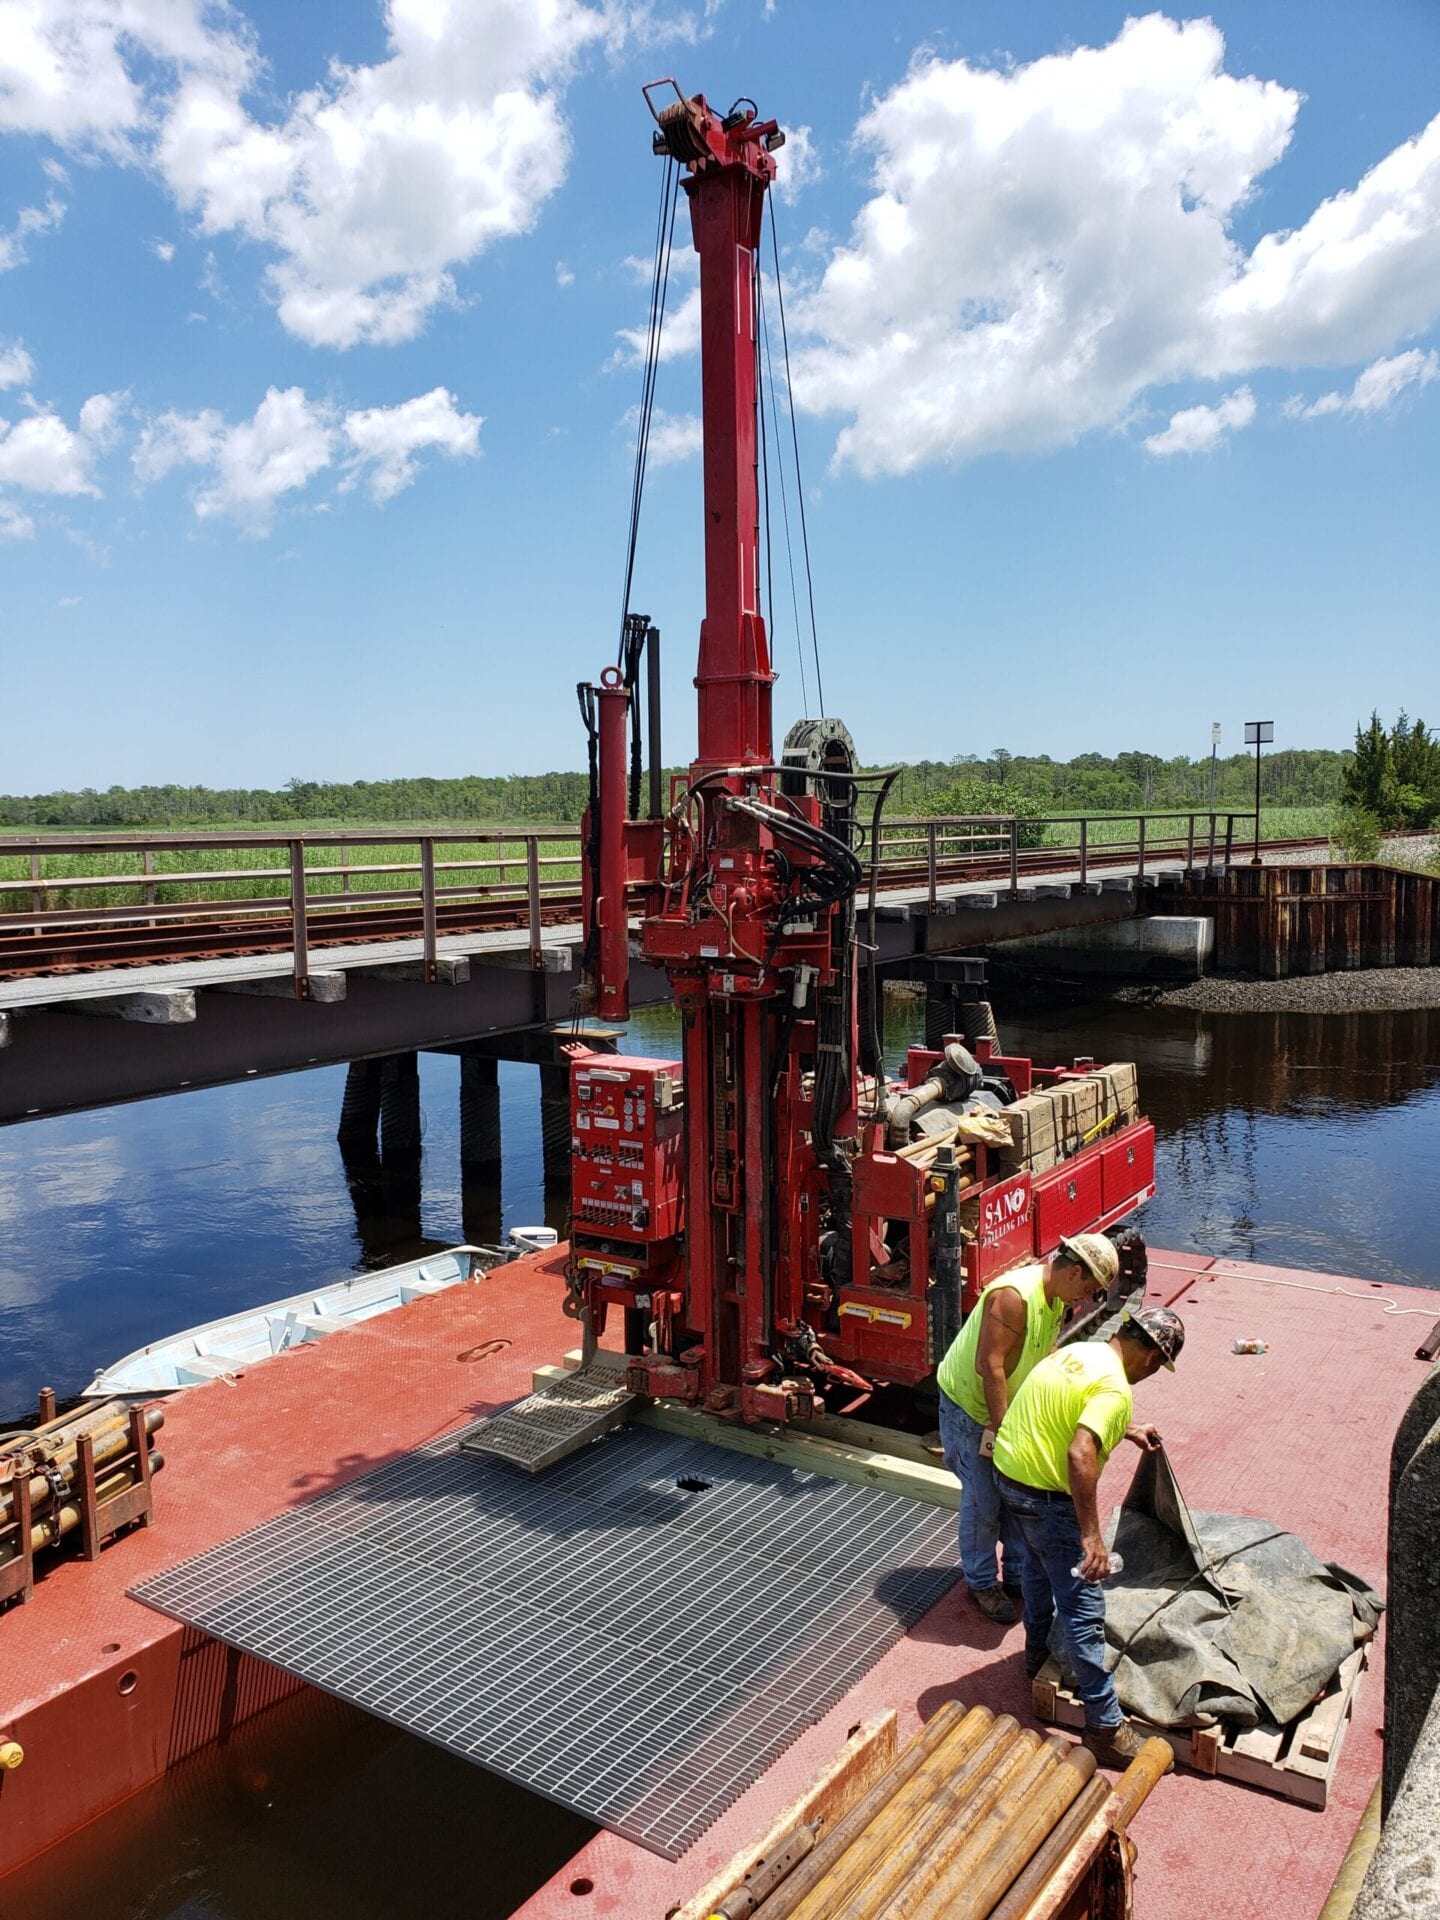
x: 1367, y: 990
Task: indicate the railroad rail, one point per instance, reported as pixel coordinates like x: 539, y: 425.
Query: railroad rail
x: 334, y: 888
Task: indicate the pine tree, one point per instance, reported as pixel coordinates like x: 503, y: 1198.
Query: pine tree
x: 1369, y: 781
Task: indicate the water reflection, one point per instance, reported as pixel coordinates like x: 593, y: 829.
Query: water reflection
x: 1297, y: 1139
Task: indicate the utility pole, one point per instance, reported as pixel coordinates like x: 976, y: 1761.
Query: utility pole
x: 1258, y: 733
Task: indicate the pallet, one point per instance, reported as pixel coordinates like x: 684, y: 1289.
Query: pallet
x: 1297, y: 1761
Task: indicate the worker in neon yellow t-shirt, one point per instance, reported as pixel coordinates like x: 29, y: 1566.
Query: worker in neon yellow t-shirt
x: 1061, y: 1428
x: 1015, y: 1322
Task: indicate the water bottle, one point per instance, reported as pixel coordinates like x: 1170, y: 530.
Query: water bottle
x: 1117, y: 1565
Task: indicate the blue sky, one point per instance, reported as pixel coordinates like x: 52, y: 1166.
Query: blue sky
x: 1115, y: 354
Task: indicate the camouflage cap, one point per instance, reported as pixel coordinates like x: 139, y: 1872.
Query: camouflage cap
x: 1162, y: 1328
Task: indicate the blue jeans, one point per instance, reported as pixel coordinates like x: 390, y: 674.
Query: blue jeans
x: 1050, y: 1528
x: 983, y: 1523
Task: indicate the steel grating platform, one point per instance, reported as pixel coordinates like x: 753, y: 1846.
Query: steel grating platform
x: 637, y: 1634
x: 556, y: 1420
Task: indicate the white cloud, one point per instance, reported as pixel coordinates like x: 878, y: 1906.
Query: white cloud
x: 387, y: 177
x: 69, y: 600
x: 1201, y: 429
x: 83, y: 72
x: 385, y: 440
x: 100, y: 418
x: 14, y: 525
x: 1376, y: 389
x: 564, y: 277
x: 29, y: 221
x: 255, y: 464
x: 681, y: 332
x: 16, y: 366
x: 797, y: 164
x: 673, y: 436
x: 163, y: 249
x: 1044, y: 243
x: 41, y: 454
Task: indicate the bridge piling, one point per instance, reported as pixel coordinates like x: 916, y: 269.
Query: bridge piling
x: 400, y: 1128
x: 555, y: 1126
x: 360, y: 1106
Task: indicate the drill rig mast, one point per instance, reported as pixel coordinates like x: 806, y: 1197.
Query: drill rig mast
x: 748, y: 890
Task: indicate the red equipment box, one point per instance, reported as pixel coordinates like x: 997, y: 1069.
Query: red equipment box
x: 627, y: 1172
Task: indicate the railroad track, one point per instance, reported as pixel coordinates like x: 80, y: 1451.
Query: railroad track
x: 37, y: 947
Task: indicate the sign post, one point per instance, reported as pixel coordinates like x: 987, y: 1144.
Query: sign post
x: 1214, y: 749
x: 1258, y: 733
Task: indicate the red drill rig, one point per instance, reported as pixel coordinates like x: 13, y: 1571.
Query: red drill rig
x: 753, y: 1209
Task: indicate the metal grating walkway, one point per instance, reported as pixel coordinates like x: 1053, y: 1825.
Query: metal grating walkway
x: 555, y: 1421
x: 637, y: 1634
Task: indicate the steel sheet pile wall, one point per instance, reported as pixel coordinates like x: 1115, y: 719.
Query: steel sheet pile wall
x: 1280, y: 921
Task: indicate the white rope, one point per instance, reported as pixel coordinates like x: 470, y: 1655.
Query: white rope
x: 1392, y: 1308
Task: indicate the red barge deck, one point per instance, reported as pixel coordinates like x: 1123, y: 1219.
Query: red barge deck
x: 106, y: 1696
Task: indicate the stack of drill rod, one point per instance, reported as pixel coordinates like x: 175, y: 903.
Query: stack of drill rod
x: 974, y: 1820
x: 49, y: 1457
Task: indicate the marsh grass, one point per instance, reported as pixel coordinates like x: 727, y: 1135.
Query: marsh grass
x: 476, y: 865
x: 494, y: 865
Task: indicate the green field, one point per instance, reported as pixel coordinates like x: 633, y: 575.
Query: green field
x: 494, y: 863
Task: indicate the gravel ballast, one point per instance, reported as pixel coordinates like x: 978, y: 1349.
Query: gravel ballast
x: 1367, y: 990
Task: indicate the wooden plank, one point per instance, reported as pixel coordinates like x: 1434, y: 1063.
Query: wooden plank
x: 1320, y: 1729
x: 1205, y: 1749
x: 935, y: 1486
x: 839, y: 1785
x: 923, y: 1450
x: 1261, y: 1742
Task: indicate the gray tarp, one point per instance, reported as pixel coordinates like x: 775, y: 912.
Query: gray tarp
x: 1218, y: 1617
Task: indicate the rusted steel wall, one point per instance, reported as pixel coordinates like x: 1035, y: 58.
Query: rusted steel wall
x: 1279, y: 921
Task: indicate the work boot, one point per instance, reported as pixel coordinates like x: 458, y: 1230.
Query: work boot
x: 993, y: 1603
x: 1115, y: 1746
x: 1035, y: 1660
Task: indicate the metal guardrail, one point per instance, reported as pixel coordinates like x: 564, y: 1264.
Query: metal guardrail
x: 512, y: 872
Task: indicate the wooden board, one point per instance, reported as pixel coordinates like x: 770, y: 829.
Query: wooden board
x: 851, y: 1450
x: 1297, y: 1761
x: 839, y: 1785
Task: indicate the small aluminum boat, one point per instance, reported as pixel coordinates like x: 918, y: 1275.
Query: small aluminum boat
x: 223, y: 1348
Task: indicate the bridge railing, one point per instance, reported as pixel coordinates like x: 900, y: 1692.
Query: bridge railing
x: 114, y: 895
x: 941, y: 849
x: 152, y: 881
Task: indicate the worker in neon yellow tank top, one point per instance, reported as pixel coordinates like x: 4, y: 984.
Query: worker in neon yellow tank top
x: 1061, y: 1428
x: 1013, y: 1324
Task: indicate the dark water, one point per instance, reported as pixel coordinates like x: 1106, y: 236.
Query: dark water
x: 1309, y: 1141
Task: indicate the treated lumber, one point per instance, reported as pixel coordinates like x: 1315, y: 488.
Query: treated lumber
x: 861, y: 1435
x: 156, y: 1006
x: 451, y: 970
x: 325, y: 989
x: 836, y: 1788
x: 552, y: 959
x: 809, y: 1453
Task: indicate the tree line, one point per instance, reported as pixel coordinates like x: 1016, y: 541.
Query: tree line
x: 1393, y: 778
x: 1000, y: 782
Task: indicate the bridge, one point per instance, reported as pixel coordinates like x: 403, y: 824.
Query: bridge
x: 134, y: 965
